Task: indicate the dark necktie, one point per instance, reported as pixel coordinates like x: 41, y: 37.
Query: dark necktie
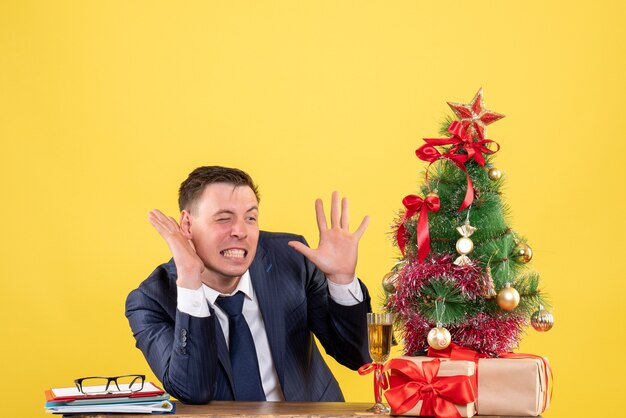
x: 243, y: 359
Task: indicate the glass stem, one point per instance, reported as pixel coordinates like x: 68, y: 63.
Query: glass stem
x: 378, y: 387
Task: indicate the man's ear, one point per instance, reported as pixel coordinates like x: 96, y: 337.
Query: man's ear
x: 186, y: 221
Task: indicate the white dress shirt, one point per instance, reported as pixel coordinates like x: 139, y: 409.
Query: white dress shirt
x: 194, y: 303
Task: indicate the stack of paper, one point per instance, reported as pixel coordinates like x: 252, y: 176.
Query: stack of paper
x: 149, y: 400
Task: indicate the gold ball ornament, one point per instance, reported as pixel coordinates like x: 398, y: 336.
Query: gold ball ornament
x: 508, y: 298
x: 439, y: 338
x: 522, y: 253
x: 542, y: 320
x: 389, y: 282
x: 494, y: 174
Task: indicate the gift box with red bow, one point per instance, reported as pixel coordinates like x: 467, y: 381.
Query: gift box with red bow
x: 422, y: 386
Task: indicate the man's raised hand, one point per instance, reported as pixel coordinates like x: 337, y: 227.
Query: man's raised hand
x: 336, y: 253
x: 189, y: 266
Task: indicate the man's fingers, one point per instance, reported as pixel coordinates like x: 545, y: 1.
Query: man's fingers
x: 153, y: 216
x: 301, y: 248
x: 174, y: 224
x: 361, y: 229
x: 156, y: 213
x: 334, y: 210
x: 157, y: 216
x: 321, y: 217
x: 156, y: 220
x: 345, y: 217
x: 163, y: 224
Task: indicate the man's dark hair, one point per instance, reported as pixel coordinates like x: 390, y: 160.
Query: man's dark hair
x: 191, y: 189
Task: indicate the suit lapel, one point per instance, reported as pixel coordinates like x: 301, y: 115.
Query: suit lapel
x: 265, y: 283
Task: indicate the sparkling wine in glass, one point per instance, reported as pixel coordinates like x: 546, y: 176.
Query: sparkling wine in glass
x: 379, y: 335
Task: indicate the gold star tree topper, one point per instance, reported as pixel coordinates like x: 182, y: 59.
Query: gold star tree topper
x: 473, y: 116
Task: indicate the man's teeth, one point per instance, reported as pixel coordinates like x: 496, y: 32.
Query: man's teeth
x: 234, y: 253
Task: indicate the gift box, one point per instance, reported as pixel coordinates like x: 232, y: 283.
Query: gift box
x: 422, y: 386
x: 513, y: 386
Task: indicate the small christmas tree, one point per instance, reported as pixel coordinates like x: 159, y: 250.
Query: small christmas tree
x: 463, y: 275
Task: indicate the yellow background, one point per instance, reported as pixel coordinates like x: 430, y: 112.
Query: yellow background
x: 106, y: 106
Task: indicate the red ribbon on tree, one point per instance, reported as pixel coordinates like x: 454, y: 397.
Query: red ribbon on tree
x: 409, y: 384
x: 413, y: 205
x: 474, y: 149
x: 462, y: 140
x: 430, y: 154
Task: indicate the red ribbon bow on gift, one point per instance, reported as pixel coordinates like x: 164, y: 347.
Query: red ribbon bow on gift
x: 413, y: 205
x: 462, y: 140
x: 409, y: 384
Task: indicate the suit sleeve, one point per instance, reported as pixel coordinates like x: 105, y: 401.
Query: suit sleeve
x: 342, y: 330
x: 178, y: 349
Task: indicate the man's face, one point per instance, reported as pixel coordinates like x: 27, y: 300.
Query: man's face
x: 225, y: 232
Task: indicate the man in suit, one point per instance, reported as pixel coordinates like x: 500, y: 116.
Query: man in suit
x: 233, y: 314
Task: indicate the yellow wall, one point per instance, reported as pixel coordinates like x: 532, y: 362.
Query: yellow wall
x: 106, y: 106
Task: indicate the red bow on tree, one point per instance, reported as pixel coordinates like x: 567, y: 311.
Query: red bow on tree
x: 462, y: 140
x: 410, y: 383
x: 413, y: 205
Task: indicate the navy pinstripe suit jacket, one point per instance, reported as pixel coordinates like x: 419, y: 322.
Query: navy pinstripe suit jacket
x: 189, y: 354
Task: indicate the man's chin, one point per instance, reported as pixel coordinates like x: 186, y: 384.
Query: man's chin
x: 224, y: 280
x: 233, y: 271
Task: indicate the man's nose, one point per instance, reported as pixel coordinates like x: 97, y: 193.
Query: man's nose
x: 239, y: 229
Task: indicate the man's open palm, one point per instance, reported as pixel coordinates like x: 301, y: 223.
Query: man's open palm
x: 336, y: 253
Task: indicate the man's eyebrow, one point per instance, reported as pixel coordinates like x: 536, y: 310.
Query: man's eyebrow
x: 230, y: 212
x: 224, y: 211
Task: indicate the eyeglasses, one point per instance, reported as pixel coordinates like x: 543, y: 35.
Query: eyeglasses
x: 101, y: 385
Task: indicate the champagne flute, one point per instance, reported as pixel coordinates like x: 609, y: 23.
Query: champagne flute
x: 379, y: 335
